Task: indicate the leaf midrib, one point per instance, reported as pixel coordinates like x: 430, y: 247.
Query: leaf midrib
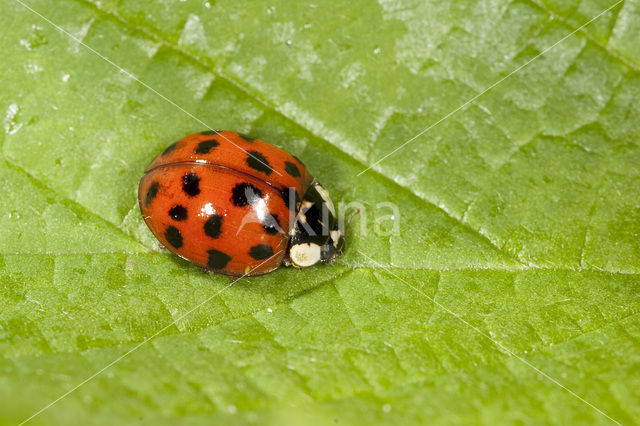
x: 204, y: 62
x: 621, y: 59
x: 255, y: 96
x: 150, y: 33
x: 39, y: 183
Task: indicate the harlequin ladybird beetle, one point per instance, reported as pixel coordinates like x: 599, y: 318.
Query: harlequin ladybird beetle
x: 238, y: 206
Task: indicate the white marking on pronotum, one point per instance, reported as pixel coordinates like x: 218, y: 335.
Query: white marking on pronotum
x: 326, y: 198
x: 304, y: 255
x: 335, y: 237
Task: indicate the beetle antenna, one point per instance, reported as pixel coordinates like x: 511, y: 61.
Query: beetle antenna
x: 350, y: 219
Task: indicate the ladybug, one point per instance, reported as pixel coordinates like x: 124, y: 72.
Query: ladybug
x: 238, y: 206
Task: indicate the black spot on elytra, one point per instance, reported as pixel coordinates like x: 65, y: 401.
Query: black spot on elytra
x: 258, y: 162
x: 205, y: 146
x: 213, y: 225
x: 191, y: 184
x: 178, y: 212
x: 246, y: 138
x: 271, y: 225
x: 261, y: 252
x: 210, y: 132
x: 217, y: 259
x: 170, y: 148
x: 244, y: 193
x: 173, y: 236
x: 292, y: 169
x: 151, y: 193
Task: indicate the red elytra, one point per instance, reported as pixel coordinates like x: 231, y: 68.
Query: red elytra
x: 219, y: 200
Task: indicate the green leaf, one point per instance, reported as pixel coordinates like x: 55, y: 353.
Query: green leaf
x: 508, y: 293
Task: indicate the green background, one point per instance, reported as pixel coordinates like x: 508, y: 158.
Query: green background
x: 520, y: 213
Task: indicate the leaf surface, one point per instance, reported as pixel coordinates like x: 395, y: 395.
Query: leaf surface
x: 518, y: 219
